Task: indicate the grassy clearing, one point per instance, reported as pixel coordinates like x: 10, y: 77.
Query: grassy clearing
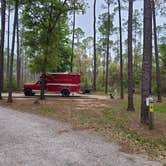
x: 160, y: 108
x: 126, y: 128
x: 108, y: 118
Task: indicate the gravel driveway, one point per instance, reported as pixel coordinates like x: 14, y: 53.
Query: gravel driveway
x: 29, y: 140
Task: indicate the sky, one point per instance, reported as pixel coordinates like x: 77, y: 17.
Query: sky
x: 86, y: 21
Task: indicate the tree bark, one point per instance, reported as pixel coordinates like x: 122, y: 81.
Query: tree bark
x: 18, y: 57
x: 130, y: 59
x: 108, y: 47
x: 3, y: 9
x: 103, y: 69
x: 121, y: 57
x: 43, y: 83
x: 159, y: 99
x: 43, y: 77
x: 73, y: 36
x: 146, y: 64
x: 94, y: 45
x: 10, y: 90
x: 8, y: 43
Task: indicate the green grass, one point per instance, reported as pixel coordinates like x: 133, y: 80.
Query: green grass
x: 47, y: 110
x: 160, y: 107
x: 111, y: 117
x: 117, y: 123
x: 121, y: 123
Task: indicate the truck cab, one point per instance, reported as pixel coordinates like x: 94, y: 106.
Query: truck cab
x: 30, y: 88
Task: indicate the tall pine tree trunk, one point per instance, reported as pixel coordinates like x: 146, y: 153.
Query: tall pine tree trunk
x: 130, y: 59
x: 146, y: 64
x: 73, y: 36
x: 8, y: 43
x: 121, y: 58
x: 10, y: 90
x: 18, y: 57
x: 25, y: 68
x: 3, y: 9
x: 159, y: 99
x: 108, y: 48
x: 103, y: 69
x: 94, y: 45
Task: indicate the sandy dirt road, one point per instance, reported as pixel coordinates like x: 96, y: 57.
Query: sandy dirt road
x: 30, y: 140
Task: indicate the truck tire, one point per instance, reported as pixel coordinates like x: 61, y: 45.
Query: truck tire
x: 65, y: 93
x: 28, y: 92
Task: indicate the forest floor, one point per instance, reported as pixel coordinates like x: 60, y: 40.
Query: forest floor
x: 106, y: 117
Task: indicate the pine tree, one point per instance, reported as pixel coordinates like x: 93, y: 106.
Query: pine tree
x: 10, y: 86
x: 3, y: 9
x: 94, y: 45
x: 121, y: 58
x: 146, y: 63
x: 130, y: 59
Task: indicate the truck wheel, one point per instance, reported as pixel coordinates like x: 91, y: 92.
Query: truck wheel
x: 65, y: 92
x: 28, y: 92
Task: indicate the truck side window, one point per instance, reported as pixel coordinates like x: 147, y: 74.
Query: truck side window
x: 38, y: 82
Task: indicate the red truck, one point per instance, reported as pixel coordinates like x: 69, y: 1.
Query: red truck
x: 64, y: 83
